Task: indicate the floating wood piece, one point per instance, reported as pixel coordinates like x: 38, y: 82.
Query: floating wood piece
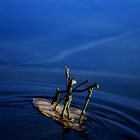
x: 63, y: 113
x: 46, y: 108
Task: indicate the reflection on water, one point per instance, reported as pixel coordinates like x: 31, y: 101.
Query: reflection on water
x: 98, y: 40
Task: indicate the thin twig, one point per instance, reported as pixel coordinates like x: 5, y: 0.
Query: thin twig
x: 81, y: 90
x: 86, y: 81
x: 60, y: 101
x: 67, y: 75
x: 85, y: 89
x: 90, y: 91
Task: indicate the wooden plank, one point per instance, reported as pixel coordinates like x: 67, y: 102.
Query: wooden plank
x: 45, y: 107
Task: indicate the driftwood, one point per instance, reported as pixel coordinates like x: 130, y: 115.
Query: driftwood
x: 70, y: 82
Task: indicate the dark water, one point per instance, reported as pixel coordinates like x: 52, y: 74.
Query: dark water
x: 99, y: 40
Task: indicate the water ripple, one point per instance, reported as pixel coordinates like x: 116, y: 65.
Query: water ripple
x: 105, y: 111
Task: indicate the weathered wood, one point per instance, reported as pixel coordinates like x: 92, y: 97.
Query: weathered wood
x: 85, y: 105
x: 86, y: 81
x: 56, y: 97
x: 67, y: 75
x: 68, y: 99
x: 86, y: 89
x: 63, y: 113
x: 45, y: 107
x: 82, y: 90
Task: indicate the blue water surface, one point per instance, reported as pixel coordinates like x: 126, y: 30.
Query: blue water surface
x: 99, y: 40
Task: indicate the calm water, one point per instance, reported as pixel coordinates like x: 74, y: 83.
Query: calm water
x: 99, y: 40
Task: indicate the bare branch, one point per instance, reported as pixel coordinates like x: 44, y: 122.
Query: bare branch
x: 67, y: 75
x: 81, y: 90
x: 81, y: 84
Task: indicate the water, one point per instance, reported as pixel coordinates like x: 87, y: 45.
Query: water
x: 98, y: 40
